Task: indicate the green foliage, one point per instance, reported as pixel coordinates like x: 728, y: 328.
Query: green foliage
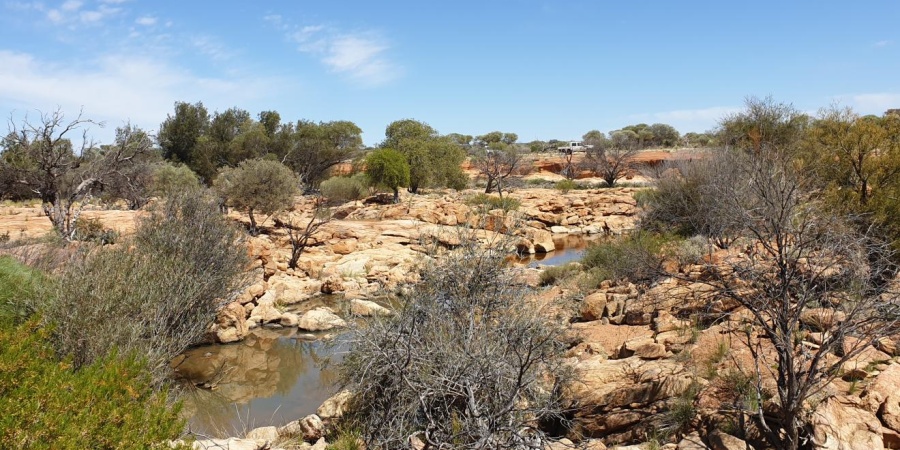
x: 180, y: 133
x: 257, y: 185
x: 18, y: 285
x: 388, y: 168
x: 91, y: 229
x: 172, y: 179
x: 314, y: 148
x: 565, y: 186
x: 45, y: 404
x: 856, y: 162
x: 344, y: 189
x: 555, y: 274
x: 637, y: 257
x: 346, y: 440
x: 434, y: 160
x: 682, y: 410
x: 153, y: 296
x: 491, y: 202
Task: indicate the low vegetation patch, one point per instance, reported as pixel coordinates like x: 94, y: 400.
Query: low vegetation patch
x: 46, y: 404
x: 637, y: 257
x: 345, y: 189
x: 491, y: 202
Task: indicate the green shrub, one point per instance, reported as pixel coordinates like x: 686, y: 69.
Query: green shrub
x: 45, y: 404
x: 154, y: 296
x: 173, y: 179
x: 91, y: 229
x: 490, y: 202
x: 565, y: 185
x: 18, y: 285
x: 344, y: 189
x: 552, y: 275
x: 637, y: 257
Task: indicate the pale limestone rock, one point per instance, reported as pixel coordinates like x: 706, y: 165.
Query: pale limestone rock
x: 840, y: 423
x: 367, y: 308
x: 593, y: 306
x: 268, y: 434
x: 335, y: 406
x: 320, y: 319
x: 289, y: 320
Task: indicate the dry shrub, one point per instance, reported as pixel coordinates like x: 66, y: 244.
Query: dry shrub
x: 153, y: 296
x: 468, y: 362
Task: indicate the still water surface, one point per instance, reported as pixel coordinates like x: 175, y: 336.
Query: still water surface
x: 275, y: 376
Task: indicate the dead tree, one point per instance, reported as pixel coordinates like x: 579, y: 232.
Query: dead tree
x: 497, y: 166
x: 299, y: 235
x: 804, y: 263
x: 44, y: 159
x: 610, y: 163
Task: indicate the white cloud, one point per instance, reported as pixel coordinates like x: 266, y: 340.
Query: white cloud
x: 72, y: 14
x: 685, y: 120
x: 146, y: 21
x: 872, y: 103
x: 71, y: 5
x: 361, y: 57
x: 211, y: 47
x: 115, y: 88
x: 884, y: 43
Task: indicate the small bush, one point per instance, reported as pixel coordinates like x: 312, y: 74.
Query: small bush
x: 682, y: 410
x: 552, y: 275
x: 490, y: 202
x: 468, y: 341
x: 637, y: 257
x: 173, y: 179
x: 344, y: 189
x: 4, y: 237
x: 91, y: 229
x: 565, y: 186
x: 109, y: 404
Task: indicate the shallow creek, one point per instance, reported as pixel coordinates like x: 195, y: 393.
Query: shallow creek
x: 278, y: 375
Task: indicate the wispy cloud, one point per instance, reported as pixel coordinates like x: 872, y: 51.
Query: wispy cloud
x: 114, y: 88
x: 211, y: 47
x: 871, y: 103
x: 72, y: 13
x: 146, y: 21
x: 362, y: 57
x: 884, y: 43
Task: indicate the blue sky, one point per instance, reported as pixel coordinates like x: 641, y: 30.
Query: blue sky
x: 542, y: 69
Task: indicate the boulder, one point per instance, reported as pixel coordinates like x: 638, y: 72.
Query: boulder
x: 311, y: 428
x: 724, y: 441
x: 367, y: 308
x: 335, y: 406
x: 289, y: 320
x: 692, y: 442
x: 841, y: 423
x: 593, y: 306
x: 265, y: 313
x: 267, y: 434
x: 558, y: 229
x: 231, y: 323
x: 320, y: 319
x: 651, y: 350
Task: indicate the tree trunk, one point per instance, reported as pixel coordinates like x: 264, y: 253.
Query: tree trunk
x: 253, y: 230
x: 396, y: 195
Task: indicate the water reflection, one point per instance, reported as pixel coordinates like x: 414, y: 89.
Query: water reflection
x: 569, y: 248
x: 270, y: 378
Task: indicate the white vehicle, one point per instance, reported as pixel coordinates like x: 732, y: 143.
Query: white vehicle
x: 574, y: 147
